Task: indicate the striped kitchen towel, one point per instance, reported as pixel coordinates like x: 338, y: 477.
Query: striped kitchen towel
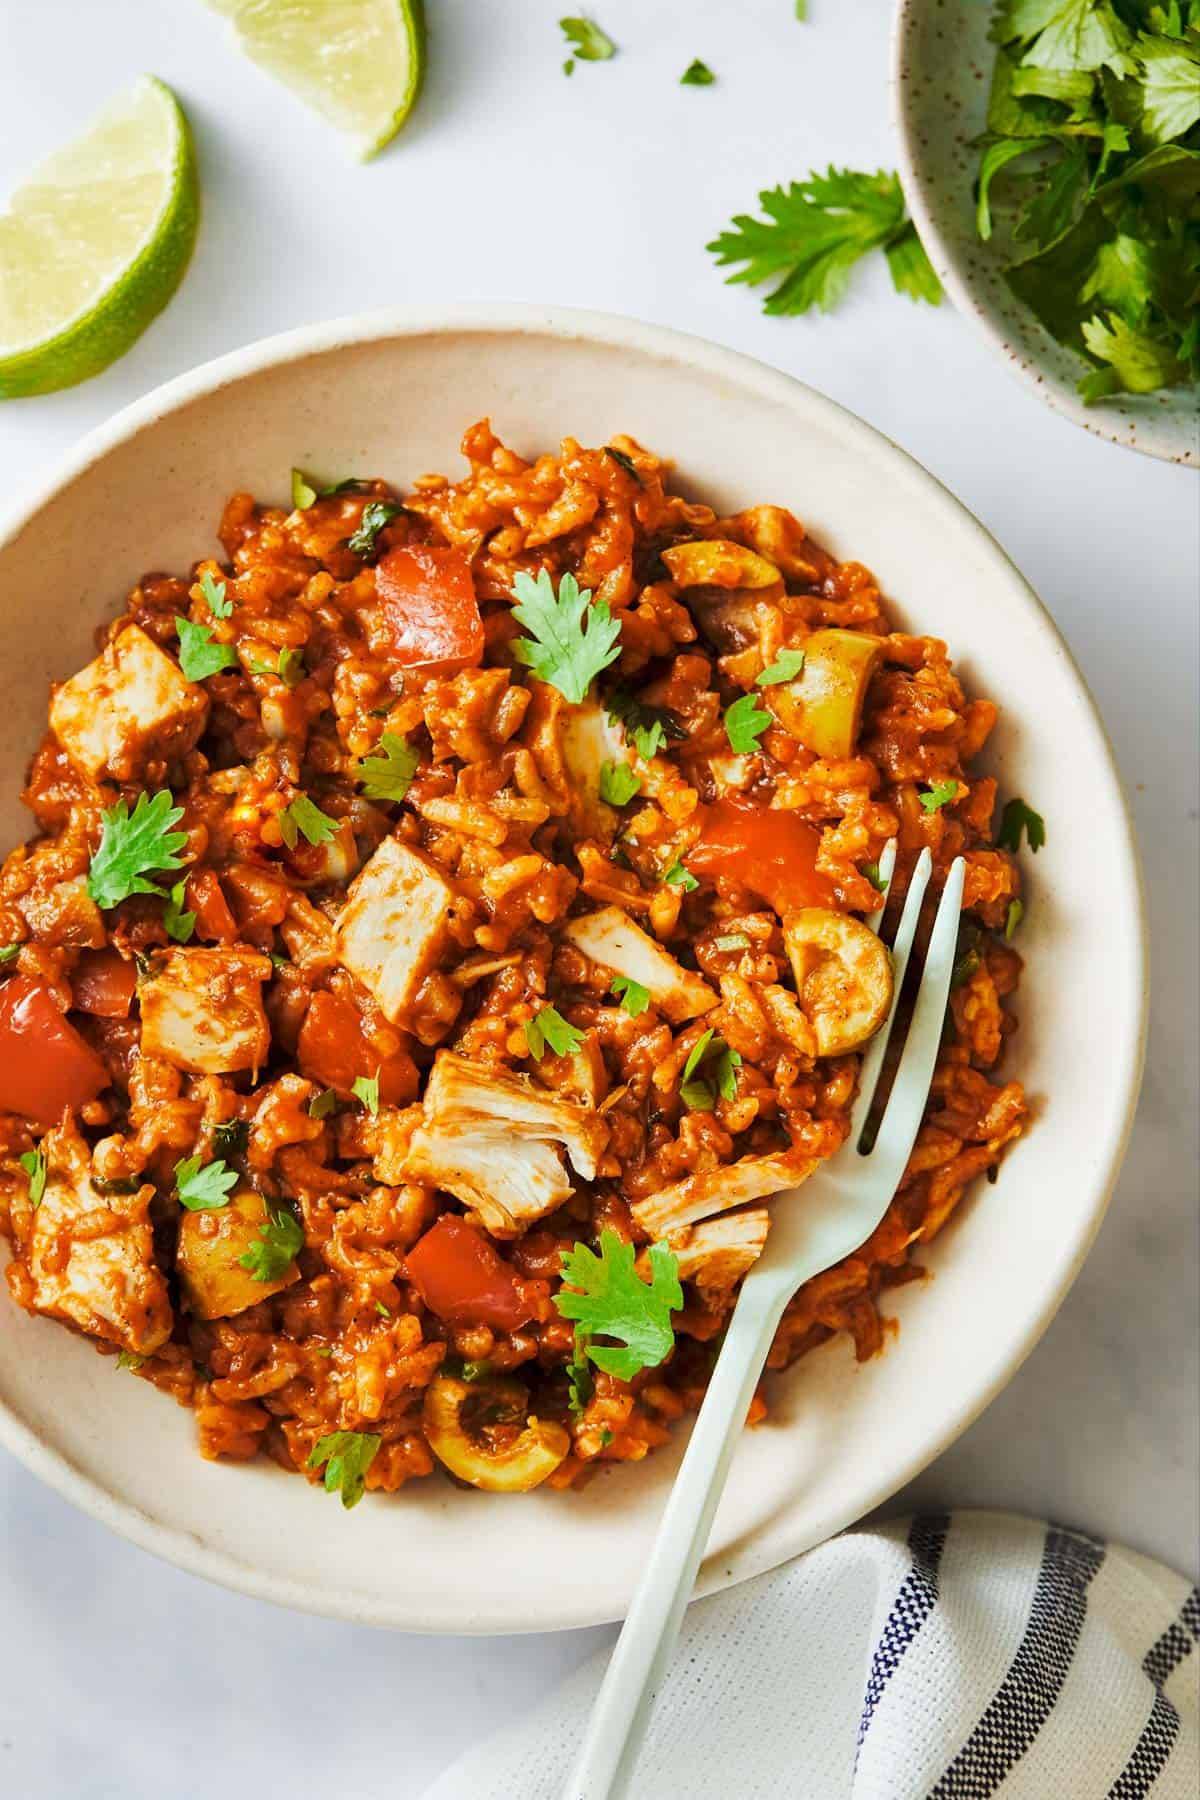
x: 946, y: 1657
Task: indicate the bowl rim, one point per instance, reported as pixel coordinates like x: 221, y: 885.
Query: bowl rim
x: 1147, y: 433
x: 174, y: 1545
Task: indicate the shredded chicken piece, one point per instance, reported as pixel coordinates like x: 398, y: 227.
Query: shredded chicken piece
x: 717, y: 1253
x: 718, y: 1190
x: 610, y: 937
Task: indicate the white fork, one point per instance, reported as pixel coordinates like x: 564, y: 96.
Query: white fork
x: 818, y: 1225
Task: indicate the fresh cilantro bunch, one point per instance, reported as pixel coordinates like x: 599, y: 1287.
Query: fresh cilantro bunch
x: 606, y: 1297
x: 1093, y: 149
x: 816, y: 230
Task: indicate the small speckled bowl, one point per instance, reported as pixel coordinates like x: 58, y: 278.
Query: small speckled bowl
x: 941, y: 70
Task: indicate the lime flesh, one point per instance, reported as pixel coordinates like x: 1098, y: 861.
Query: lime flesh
x: 358, y: 63
x: 96, y: 242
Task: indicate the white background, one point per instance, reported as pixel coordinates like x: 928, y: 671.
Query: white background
x: 116, y: 1672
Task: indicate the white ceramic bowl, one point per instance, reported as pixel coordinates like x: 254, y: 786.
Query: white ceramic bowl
x: 941, y: 72
x: 391, y: 394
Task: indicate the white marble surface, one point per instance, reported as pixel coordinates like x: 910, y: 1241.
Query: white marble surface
x: 116, y: 1671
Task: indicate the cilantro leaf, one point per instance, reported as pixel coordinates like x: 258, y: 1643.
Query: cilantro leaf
x: 306, y: 492
x: 376, y: 515
x: 347, y: 1455
x: 214, y: 596
x: 548, y: 1027
x: 389, y: 776
x: 624, y: 462
x: 571, y: 637
x: 813, y: 234
x: 199, y: 654
x: 366, y: 1089
x: 745, y: 722
x: 303, y: 818
x: 34, y: 1165
x: 871, y: 871
x: 291, y: 670
x: 909, y: 266
x: 678, y: 876
x: 618, y: 783
x: 1138, y: 360
x: 633, y: 996
x: 586, y: 39
x: 579, y: 1374
x: 699, y: 1090
x: 281, y: 1237
x: 1171, y: 86
x: 1057, y: 195
x: 697, y: 74
x: 1017, y: 818
x: 204, y: 1187
x: 322, y: 1104
x: 134, y: 844
x: 179, y: 924
x: 613, y: 1301
x: 786, y: 667
x: 10, y: 953
x: 939, y: 795
x: 1012, y: 918
x: 129, y: 1359
x: 647, y: 727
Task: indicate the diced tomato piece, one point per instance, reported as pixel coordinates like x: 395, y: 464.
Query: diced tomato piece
x: 334, y: 1050
x: 103, y: 984
x: 44, y: 1063
x: 774, y: 854
x: 461, y: 1276
x: 427, y: 599
x: 204, y: 896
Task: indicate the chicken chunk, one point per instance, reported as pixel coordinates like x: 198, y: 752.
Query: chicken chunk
x: 719, y: 1190
x: 130, y: 703
x: 716, y: 1254
x: 611, y: 938
x: 392, y: 928
x: 90, y: 1255
x: 202, y: 1010
x: 491, y: 1139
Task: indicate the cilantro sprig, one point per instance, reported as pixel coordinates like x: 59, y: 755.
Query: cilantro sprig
x: 1017, y: 818
x: 618, y: 783
x: 745, y: 722
x: 571, y: 637
x: 711, y: 1069
x: 633, y: 996
x: 204, y: 1187
x: 388, y: 774
x: 34, y: 1165
x: 304, y: 818
x: 134, y: 845
x: 376, y: 514
x: 786, y: 667
x: 346, y: 1455
x: 200, y: 655
x: 816, y: 230
x: 214, y: 596
x: 548, y: 1029
x: 607, y: 1298
x: 281, y: 1237
x: 179, y: 925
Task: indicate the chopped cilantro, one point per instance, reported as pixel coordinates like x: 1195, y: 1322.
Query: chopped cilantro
x: 231, y: 1137
x: 633, y: 996
x: 587, y: 41
x: 571, y: 638
x: 366, y: 1089
x: 618, y: 783
x: 199, y: 654
x: 306, y: 492
x: 10, y: 953
x: 214, y: 596
x: 606, y: 1438
x: 376, y: 515
x: 134, y: 844
x: 697, y: 74
x: 129, y: 1359
x: 606, y: 1297
x: 579, y: 1374
x: 964, y: 968
x: 477, y: 1369
x: 347, y: 1455
x: 281, y: 1236
x: 548, y: 1028
x: 745, y: 722
x: 871, y: 871
x: 179, y: 925
x: 1017, y: 818
x: 34, y: 1165
x: 388, y: 776
x: 305, y: 819
x: 290, y: 669
x: 720, y: 1065
x: 647, y: 727
x: 786, y: 667
x: 322, y: 1104
x: 678, y: 876
x: 733, y: 940
x: 624, y: 462
x: 816, y: 230
x: 939, y: 795
x: 203, y: 1187
x: 1012, y: 918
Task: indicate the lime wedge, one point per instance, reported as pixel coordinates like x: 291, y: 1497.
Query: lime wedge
x: 96, y: 242
x: 358, y: 63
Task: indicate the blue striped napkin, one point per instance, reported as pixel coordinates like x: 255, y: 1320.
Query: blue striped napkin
x: 946, y: 1657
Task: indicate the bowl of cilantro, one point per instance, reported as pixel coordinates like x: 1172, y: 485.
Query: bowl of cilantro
x: 1050, y: 152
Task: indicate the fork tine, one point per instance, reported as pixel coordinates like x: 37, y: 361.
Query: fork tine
x: 873, y: 1061
x: 906, y: 1103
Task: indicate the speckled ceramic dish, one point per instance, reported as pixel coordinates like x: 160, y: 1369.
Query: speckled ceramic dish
x: 941, y: 70
x: 392, y: 392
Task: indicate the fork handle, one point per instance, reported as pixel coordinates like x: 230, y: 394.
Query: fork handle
x: 640, y: 1659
